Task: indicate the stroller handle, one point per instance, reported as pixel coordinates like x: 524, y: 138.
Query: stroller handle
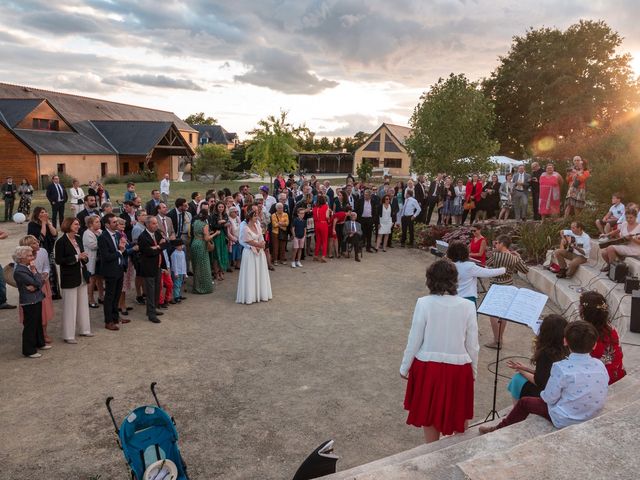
x: 108, y: 404
x: 153, y: 391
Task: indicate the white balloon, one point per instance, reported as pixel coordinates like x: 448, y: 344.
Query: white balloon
x: 19, y: 217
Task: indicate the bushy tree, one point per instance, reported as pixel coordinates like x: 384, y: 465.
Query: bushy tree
x: 200, y: 119
x: 213, y: 160
x: 451, y: 128
x: 364, y: 171
x: 553, y: 84
x: 273, y: 147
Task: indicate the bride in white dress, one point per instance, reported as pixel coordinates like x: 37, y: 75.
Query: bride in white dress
x: 254, y: 284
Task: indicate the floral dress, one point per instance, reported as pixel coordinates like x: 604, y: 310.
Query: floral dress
x: 202, y: 282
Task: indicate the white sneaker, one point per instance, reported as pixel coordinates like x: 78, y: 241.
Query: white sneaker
x: 293, y: 265
x: 35, y: 355
x: 46, y: 347
x: 298, y: 264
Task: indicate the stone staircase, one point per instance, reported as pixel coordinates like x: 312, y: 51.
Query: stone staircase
x: 532, y: 449
x: 566, y: 292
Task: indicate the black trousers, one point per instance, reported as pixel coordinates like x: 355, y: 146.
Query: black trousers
x: 340, y: 237
x: 535, y: 196
x: 57, y: 210
x: 432, y: 202
x: 367, y: 230
x: 407, y: 224
x: 152, y: 292
x: 465, y: 214
x: 32, y: 333
x: 112, y: 292
x: 354, y: 240
x: 8, y: 209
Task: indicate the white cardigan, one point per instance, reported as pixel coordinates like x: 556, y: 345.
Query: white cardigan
x: 444, y: 329
x: 468, y: 274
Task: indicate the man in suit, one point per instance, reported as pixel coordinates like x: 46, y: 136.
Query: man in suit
x: 352, y: 232
x: 520, y: 194
x: 57, y: 196
x: 395, y: 210
x: 111, y: 247
x: 88, y: 210
x: 152, y: 205
x: 421, y: 191
x: 330, y: 193
x: 151, y: 244
x: 181, y: 222
x: 9, y: 190
x: 193, y: 204
x: 367, y: 212
x: 165, y: 226
x: 434, y: 195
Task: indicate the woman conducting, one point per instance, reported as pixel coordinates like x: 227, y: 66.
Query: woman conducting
x: 440, y: 362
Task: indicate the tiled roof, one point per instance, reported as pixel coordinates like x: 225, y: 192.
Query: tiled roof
x: 132, y: 138
x: 216, y: 133
x: 15, y: 109
x: 401, y: 133
x: 70, y: 143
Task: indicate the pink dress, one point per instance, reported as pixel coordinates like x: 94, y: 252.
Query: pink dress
x: 549, y: 194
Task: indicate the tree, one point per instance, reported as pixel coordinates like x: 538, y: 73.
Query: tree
x: 451, y: 128
x: 200, y: 119
x: 364, y: 171
x: 213, y: 160
x: 325, y: 144
x: 273, y: 146
x: 553, y: 84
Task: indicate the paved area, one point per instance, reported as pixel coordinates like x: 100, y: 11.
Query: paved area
x: 253, y: 389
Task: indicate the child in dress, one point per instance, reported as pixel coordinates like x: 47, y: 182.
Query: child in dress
x: 577, y: 387
x: 178, y: 269
x: 299, y: 234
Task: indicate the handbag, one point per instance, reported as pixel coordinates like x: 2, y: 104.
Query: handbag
x: 210, y: 246
x: 469, y: 205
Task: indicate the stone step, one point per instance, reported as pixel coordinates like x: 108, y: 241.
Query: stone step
x: 607, y: 444
x: 564, y: 292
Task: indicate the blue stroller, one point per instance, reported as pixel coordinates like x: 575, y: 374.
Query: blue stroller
x: 149, y: 441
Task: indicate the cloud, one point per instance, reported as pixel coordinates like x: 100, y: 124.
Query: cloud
x: 349, y: 125
x: 159, y: 81
x: 282, y: 71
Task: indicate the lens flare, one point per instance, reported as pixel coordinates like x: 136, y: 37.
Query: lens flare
x: 544, y: 144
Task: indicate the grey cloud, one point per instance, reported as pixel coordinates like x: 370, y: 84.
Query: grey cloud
x: 160, y: 81
x: 350, y: 125
x: 282, y: 71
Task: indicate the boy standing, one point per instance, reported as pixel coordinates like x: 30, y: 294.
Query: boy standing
x: 299, y: 235
x: 576, y: 390
x: 179, y: 269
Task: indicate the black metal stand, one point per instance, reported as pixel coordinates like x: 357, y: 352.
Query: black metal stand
x: 494, y: 413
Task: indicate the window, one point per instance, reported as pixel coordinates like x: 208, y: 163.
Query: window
x: 190, y: 137
x: 44, y: 124
x: 374, y: 162
x: 393, y: 163
x: 374, y: 145
x: 140, y: 166
x: 103, y: 169
x: 390, y: 145
x: 125, y: 168
x: 61, y: 168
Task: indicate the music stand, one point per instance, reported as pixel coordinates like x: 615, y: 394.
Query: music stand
x: 493, y: 413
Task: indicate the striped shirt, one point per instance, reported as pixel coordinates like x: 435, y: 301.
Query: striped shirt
x: 513, y: 263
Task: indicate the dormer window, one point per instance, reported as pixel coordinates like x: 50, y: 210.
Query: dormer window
x: 45, y: 124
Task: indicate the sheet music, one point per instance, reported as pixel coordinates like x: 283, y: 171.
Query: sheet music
x: 527, y: 307
x: 517, y: 305
x: 497, y: 301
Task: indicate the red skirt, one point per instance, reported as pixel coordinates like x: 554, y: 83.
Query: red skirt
x: 439, y: 395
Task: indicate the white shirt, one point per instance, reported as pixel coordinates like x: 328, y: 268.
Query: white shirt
x: 468, y: 274
x: 366, y: 209
x: 76, y: 194
x: 411, y: 208
x: 584, y: 241
x: 444, y: 329
x: 269, y: 201
x: 617, y: 211
x: 179, y: 262
x: 576, y: 390
x: 42, y: 261
x: 164, y: 186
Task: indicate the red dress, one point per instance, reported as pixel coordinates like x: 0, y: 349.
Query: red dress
x: 321, y: 225
x: 608, y: 350
x: 474, y: 247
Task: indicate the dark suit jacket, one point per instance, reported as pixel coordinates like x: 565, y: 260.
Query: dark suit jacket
x: 395, y: 208
x: 111, y: 260
x: 435, y: 189
x: 360, y: 208
x: 347, y: 229
x: 82, y: 218
x: 12, y: 189
x: 71, y: 270
x: 151, y: 208
x: 52, y: 193
x: 420, y: 194
x: 173, y: 215
x: 149, y: 256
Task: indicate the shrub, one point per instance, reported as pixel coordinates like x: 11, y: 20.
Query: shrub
x: 364, y: 171
x: 65, y: 180
x: 112, y: 179
x: 141, y: 176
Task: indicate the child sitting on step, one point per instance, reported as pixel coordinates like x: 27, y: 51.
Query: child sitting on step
x: 576, y: 390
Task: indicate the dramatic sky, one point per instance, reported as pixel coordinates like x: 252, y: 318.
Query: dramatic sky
x: 338, y: 66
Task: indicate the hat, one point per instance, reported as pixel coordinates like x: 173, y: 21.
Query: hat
x: 264, y: 188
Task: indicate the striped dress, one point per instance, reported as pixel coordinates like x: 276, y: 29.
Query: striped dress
x: 512, y: 262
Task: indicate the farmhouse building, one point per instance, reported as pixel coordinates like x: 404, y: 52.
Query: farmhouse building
x: 43, y: 133
x: 385, y: 149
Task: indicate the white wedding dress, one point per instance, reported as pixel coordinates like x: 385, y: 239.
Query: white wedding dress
x: 254, y: 284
